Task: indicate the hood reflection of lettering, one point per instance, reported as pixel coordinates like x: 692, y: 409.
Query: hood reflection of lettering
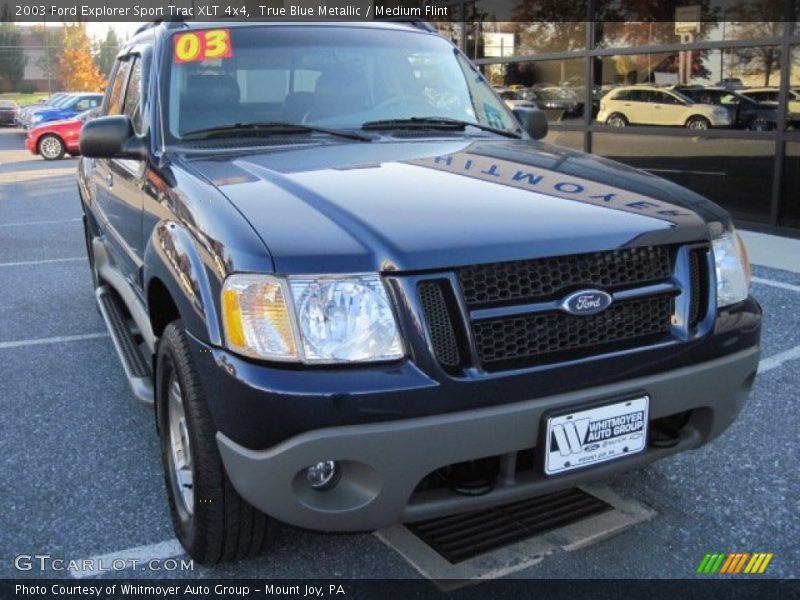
x: 586, y: 302
x: 555, y: 183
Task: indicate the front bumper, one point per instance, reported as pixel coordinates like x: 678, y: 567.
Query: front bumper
x: 383, y: 463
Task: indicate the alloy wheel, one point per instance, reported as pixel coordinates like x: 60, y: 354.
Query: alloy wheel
x: 180, y: 451
x: 50, y: 148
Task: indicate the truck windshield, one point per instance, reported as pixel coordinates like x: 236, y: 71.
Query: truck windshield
x: 326, y: 76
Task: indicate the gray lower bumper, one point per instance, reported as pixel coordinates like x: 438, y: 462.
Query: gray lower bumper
x: 382, y: 463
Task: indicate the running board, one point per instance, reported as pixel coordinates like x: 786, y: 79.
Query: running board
x: 136, y: 368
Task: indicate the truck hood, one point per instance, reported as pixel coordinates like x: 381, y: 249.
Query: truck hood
x: 417, y: 205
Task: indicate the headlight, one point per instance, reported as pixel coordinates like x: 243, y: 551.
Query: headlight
x: 36, y: 119
x: 732, y: 267
x: 314, y: 319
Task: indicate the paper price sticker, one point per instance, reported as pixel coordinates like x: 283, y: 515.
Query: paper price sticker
x: 203, y: 45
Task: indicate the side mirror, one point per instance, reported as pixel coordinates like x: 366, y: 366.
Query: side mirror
x: 532, y: 120
x: 111, y: 137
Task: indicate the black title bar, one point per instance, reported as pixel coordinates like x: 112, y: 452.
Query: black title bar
x: 430, y: 10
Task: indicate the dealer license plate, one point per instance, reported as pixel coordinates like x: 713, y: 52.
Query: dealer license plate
x: 596, y: 435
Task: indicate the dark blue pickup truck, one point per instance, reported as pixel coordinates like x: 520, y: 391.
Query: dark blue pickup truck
x: 360, y: 291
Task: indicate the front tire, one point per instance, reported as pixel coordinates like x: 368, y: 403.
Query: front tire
x: 51, y: 147
x: 617, y: 120
x: 210, y: 519
x: 699, y: 123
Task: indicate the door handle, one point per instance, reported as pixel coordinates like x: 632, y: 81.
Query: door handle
x: 110, y: 180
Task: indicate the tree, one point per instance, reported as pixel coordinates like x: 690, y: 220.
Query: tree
x: 106, y: 51
x: 12, y: 56
x: 753, y: 22
x: 76, y: 67
x: 51, y: 39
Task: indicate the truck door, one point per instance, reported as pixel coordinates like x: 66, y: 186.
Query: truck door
x: 121, y: 180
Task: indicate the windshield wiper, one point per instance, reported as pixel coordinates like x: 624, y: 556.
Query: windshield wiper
x: 270, y: 128
x: 434, y: 123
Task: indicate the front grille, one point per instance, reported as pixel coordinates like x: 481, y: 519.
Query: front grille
x: 538, y: 337
x: 511, y: 315
x: 698, y: 285
x: 547, y: 278
x: 440, y: 326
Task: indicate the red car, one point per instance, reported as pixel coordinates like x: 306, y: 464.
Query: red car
x: 52, y: 140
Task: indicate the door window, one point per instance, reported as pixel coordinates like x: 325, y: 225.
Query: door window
x: 115, y: 98
x: 132, y: 105
x: 664, y: 98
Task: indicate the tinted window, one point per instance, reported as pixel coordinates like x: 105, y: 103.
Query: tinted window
x: 622, y: 95
x: 639, y: 95
x: 132, y: 106
x: 664, y: 98
x: 706, y: 97
x: 764, y: 96
x: 728, y: 99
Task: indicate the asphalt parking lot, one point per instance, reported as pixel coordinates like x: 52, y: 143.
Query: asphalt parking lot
x: 81, y: 473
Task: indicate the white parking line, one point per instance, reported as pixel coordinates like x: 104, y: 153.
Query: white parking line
x: 141, y: 554
x: 41, y: 262
x: 53, y: 340
x: 40, y: 223
x: 30, y: 175
x: 777, y: 360
x: 777, y: 284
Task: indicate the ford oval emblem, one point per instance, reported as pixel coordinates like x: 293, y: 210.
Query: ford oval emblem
x: 586, y: 302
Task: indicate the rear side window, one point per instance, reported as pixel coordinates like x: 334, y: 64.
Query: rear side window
x: 115, y: 98
x: 765, y: 96
x: 132, y: 105
x: 664, y: 98
x: 623, y: 95
x: 87, y: 103
x: 639, y: 96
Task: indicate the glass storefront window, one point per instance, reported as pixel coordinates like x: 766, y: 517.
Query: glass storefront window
x: 524, y: 38
x: 702, y: 89
x: 616, y: 34
x: 793, y: 108
x: 736, y: 174
x: 565, y: 138
x: 789, y: 211
x: 555, y: 86
x: 619, y: 23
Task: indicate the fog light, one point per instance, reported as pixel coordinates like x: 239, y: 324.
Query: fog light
x: 323, y: 475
